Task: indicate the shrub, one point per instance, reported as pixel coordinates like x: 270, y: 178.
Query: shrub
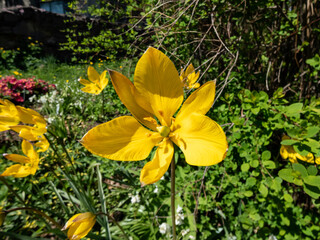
x: 20, y: 90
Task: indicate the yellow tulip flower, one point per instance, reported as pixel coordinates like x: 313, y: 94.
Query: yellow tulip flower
x: 27, y: 164
x: 189, y: 77
x: 288, y: 152
x: 9, y: 115
x: 96, y: 82
x: 80, y: 225
x: 153, y: 99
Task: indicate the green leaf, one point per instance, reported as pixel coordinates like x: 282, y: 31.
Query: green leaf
x: 255, y: 111
x: 269, y: 164
x: 301, y: 169
x: 293, y: 108
x: 312, y: 170
x: 312, y: 191
x: 254, y: 163
x: 248, y: 193
x: 245, y: 167
x: 263, y: 190
x: 287, y: 197
x: 251, y: 181
x: 288, y: 142
x: 312, y: 180
x: 286, y: 174
x: 312, y: 131
x: 266, y: 155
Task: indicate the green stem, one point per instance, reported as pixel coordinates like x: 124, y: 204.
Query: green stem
x: 13, y: 191
x: 173, y: 194
x: 37, y: 212
x: 102, y: 104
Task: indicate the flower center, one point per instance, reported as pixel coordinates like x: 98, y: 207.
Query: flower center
x: 163, y: 130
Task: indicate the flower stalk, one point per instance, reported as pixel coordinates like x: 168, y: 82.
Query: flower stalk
x: 173, y: 194
x: 42, y: 214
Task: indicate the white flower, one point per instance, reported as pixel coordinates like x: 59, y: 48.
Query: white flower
x: 185, y: 232
x: 231, y: 237
x: 219, y: 230
x: 50, y: 119
x: 42, y: 99
x: 179, y: 218
x: 156, y: 190
x: 135, y: 199
x: 164, y: 228
x: 179, y: 209
x: 272, y: 237
x: 32, y: 98
x: 191, y: 237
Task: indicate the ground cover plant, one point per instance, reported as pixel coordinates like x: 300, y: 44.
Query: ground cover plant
x: 266, y: 186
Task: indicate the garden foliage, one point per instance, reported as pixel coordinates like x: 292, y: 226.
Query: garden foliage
x: 265, y: 58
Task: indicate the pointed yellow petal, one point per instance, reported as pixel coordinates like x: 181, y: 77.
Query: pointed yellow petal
x: 92, y: 88
x: 28, y: 150
x: 160, y: 163
x: 17, y: 158
x: 192, y: 78
x: 189, y: 70
x: 122, y: 138
x: 103, y: 80
x: 129, y: 96
x: 42, y: 144
x: 17, y: 171
x: 70, y: 221
x: 28, y: 132
x: 26, y: 114
x: 201, y: 139
x: 84, y: 81
x: 200, y: 101
x: 157, y: 80
x: 81, y: 229
x: 194, y: 86
x: 93, y: 75
x: 8, y: 115
x: 87, y: 216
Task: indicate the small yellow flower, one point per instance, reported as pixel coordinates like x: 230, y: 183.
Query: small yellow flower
x: 288, y: 152
x: 27, y: 164
x: 16, y: 73
x: 18, y: 49
x: 11, y: 116
x: 80, y: 225
x: 29, y: 38
x: 120, y: 66
x: 189, y: 77
x: 96, y: 82
x: 0, y: 76
x: 91, y: 63
x: 67, y: 81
